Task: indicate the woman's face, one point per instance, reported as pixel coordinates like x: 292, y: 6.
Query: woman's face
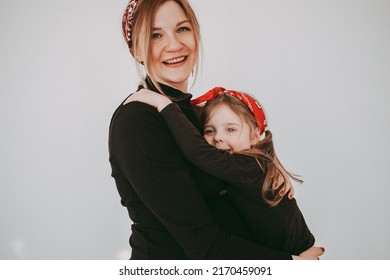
x: 173, y: 46
x: 226, y: 130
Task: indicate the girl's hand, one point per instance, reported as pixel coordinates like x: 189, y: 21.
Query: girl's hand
x: 149, y: 97
x: 312, y: 253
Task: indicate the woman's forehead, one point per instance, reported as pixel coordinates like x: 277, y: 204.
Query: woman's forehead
x: 169, y: 13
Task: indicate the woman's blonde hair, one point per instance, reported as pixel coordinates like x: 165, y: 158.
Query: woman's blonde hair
x: 276, y: 176
x: 143, y: 29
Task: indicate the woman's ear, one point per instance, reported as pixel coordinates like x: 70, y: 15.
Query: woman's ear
x: 255, y: 137
x: 138, y: 56
x: 139, y: 60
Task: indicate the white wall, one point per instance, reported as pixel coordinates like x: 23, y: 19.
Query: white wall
x: 320, y: 68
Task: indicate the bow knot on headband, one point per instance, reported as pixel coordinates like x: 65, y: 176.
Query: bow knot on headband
x: 127, y: 22
x: 251, y: 103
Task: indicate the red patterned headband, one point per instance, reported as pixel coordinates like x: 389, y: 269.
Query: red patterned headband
x: 127, y: 22
x: 252, y: 104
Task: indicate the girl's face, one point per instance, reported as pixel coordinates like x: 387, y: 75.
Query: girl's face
x: 173, y: 46
x: 226, y: 130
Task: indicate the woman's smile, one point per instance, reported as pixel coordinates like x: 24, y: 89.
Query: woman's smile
x: 175, y: 61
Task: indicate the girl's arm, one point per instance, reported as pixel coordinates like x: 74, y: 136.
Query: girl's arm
x: 219, y: 163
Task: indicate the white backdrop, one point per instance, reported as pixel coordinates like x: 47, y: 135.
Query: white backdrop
x: 320, y: 68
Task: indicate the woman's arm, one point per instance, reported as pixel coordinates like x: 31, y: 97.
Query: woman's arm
x: 143, y: 149
x: 312, y: 253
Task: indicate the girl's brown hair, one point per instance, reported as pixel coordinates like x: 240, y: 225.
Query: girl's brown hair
x: 143, y: 30
x: 276, y: 176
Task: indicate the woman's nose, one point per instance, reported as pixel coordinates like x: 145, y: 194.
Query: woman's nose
x: 173, y: 44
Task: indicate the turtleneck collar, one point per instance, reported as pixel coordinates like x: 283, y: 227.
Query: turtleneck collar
x: 170, y: 92
x: 177, y: 96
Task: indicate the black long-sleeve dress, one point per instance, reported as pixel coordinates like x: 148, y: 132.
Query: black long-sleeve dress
x: 176, y: 208
x: 282, y: 227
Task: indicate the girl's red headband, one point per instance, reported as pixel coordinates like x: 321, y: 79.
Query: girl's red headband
x: 252, y: 104
x: 127, y: 22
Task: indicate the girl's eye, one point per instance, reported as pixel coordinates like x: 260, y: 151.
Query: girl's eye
x: 230, y: 129
x: 156, y: 35
x: 208, y: 131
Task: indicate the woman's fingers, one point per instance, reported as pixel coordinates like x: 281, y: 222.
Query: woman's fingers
x: 312, y: 253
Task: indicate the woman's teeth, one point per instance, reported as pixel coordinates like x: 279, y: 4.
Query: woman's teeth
x: 175, y: 60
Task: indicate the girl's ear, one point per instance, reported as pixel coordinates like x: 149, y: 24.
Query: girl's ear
x: 255, y: 137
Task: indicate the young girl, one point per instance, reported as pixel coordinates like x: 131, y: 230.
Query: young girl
x: 237, y: 147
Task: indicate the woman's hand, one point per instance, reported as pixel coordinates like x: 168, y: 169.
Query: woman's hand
x: 312, y: 253
x: 288, y: 187
x: 149, y: 97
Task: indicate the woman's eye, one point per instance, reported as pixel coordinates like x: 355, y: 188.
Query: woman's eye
x: 156, y: 35
x: 208, y: 131
x: 182, y: 29
x: 230, y: 129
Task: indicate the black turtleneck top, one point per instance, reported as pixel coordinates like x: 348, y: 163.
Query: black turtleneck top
x: 176, y: 209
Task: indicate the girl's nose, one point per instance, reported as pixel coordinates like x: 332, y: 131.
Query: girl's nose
x: 218, y: 137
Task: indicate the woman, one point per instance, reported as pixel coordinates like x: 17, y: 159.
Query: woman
x: 178, y: 211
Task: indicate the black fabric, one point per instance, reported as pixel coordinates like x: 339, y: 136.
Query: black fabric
x: 176, y: 209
